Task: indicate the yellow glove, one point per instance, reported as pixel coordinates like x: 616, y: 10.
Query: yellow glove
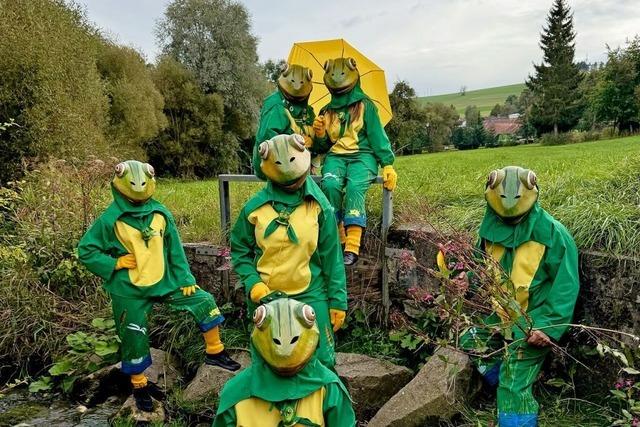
x: 337, y: 318
x: 442, y: 264
x: 187, y: 291
x: 389, y: 178
x: 319, y: 128
x: 308, y: 142
x: 259, y: 291
x: 127, y: 261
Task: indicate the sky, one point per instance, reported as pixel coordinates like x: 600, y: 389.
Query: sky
x: 436, y: 45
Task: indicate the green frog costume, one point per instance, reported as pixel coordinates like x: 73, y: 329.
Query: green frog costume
x: 134, y: 246
x: 286, y: 111
x: 349, y: 128
x: 540, y: 258
x: 286, y: 385
x: 285, y: 239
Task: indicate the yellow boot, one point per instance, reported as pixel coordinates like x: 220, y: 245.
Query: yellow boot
x: 352, y: 245
x: 215, y: 353
x: 342, y: 233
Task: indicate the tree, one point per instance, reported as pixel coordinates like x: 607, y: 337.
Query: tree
x: 194, y: 142
x: 441, y: 120
x: 555, y: 84
x: 135, y: 104
x: 407, y: 128
x: 472, y: 116
x: 213, y: 40
x: 272, y: 70
x: 616, y: 97
x: 48, y: 84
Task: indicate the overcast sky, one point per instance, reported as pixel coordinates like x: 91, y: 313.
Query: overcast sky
x: 436, y: 45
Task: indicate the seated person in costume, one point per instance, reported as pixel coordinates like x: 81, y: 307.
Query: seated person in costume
x: 135, y: 248
x: 286, y: 111
x: 286, y: 385
x: 286, y: 239
x: 350, y: 130
x: 538, y: 256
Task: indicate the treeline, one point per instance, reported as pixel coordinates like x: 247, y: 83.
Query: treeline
x: 564, y: 101
x: 70, y: 92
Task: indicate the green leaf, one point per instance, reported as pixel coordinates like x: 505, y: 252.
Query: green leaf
x: 104, y: 349
x: 67, y: 384
x: 558, y: 382
x: 62, y: 367
x: 43, y: 384
x: 631, y: 371
x: 619, y: 394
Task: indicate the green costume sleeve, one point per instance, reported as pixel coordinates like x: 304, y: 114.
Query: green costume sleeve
x: 337, y: 408
x: 562, y: 265
x: 243, y: 243
x: 177, y: 259
x: 378, y: 138
x: 274, y: 122
x: 330, y: 254
x: 92, y: 251
x: 226, y: 419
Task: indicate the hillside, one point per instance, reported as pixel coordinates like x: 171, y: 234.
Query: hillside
x: 484, y: 99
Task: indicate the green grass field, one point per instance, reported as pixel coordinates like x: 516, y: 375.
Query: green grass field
x: 591, y: 187
x: 484, y: 99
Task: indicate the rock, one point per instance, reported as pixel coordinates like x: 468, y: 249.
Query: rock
x: 434, y: 394
x: 371, y: 382
x: 81, y: 409
x: 209, y: 380
x: 130, y: 411
x: 96, y: 387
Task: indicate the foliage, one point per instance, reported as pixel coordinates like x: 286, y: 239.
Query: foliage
x: 50, y: 85
x: 87, y: 352
x: 440, y: 120
x: 272, y: 69
x: 407, y: 128
x: 44, y: 291
x: 212, y: 39
x: 135, y: 104
x: 194, y: 144
x: 557, y: 101
x: 471, y: 137
x: 617, y: 94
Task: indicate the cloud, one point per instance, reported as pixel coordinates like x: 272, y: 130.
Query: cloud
x: 437, y: 45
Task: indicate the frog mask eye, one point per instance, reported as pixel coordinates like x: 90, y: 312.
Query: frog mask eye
x: 351, y: 63
x: 149, y: 170
x: 308, y: 316
x: 327, y: 65
x: 495, y: 178
x: 121, y: 168
x: 286, y: 70
x: 259, y: 317
x: 309, y: 74
x: 531, y: 180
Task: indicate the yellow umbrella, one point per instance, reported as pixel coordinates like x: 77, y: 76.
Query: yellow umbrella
x: 314, y: 54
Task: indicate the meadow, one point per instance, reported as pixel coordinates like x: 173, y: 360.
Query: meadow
x: 591, y: 187
x: 484, y: 99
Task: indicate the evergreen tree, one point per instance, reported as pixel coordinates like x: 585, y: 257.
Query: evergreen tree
x: 555, y: 84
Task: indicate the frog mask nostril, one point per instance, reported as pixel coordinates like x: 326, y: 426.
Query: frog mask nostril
x: 277, y: 341
x: 278, y: 162
x: 144, y: 183
x: 294, y: 339
x: 291, y: 159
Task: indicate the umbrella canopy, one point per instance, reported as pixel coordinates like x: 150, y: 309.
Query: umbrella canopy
x: 314, y: 54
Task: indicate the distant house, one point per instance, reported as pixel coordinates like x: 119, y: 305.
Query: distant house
x: 502, y: 125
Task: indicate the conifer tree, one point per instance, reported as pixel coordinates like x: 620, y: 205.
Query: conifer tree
x: 557, y: 101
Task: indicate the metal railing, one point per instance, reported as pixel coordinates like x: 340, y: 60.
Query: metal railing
x: 387, y: 218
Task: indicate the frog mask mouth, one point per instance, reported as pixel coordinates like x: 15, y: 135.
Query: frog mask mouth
x: 285, y: 160
x: 285, y: 334
x: 511, y: 192
x: 295, y: 83
x: 135, y: 181
x: 340, y: 75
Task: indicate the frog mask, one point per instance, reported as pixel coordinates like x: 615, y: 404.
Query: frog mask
x: 340, y: 75
x: 511, y: 192
x: 295, y: 82
x: 135, y: 181
x: 285, y: 334
x: 285, y: 160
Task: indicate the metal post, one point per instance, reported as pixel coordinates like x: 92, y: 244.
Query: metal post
x: 225, y: 207
x: 387, y: 217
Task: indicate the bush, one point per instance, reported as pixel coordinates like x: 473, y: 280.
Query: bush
x: 50, y: 85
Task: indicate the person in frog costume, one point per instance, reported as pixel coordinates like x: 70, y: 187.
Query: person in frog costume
x: 134, y: 246
x: 286, y: 385
x: 286, y: 239
x: 349, y: 128
x: 286, y: 111
x: 538, y: 256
